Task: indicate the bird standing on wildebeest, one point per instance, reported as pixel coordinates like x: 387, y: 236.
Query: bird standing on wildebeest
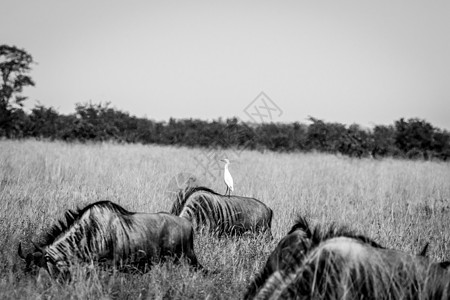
x: 105, y: 231
x: 338, y: 264
x: 227, y: 177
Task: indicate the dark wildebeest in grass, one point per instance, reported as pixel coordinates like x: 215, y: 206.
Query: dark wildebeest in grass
x: 222, y: 215
x: 106, y: 232
x: 338, y: 264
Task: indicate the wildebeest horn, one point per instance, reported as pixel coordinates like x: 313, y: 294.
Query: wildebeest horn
x: 424, y: 250
x: 36, y: 247
x: 19, y: 251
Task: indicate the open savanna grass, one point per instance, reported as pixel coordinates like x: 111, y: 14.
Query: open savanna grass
x: 400, y: 204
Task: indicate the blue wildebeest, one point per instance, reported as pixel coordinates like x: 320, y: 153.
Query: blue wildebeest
x: 106, y: 232
x: 223, y: 215
x: 338, y: 264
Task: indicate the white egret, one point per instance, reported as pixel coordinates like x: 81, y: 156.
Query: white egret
x: 227, y: 177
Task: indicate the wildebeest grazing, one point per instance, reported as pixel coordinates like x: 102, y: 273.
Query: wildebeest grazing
x: 106, y: 232
x: 223, y: 215
x: 339, y: 264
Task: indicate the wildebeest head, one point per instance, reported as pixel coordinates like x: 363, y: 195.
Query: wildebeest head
x: 35, y: 258
x: 38, y: 259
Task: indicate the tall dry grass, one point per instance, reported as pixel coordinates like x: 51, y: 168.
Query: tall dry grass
x: 400, y: 204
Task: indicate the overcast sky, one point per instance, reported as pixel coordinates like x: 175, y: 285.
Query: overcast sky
x: 364, y: 62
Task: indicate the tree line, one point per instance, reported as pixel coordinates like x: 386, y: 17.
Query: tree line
x: 412, y: 138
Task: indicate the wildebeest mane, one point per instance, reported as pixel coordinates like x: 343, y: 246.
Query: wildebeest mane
x: 191, y: 190
x: 320, y: 234
x: 302, y: 224
x: 194, y: 189
x: 71, y: 217
x: 184, y: 194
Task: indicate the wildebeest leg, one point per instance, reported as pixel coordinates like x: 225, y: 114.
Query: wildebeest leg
x: 190, y: 254
x: 194, y: 262
x: 267, y: 225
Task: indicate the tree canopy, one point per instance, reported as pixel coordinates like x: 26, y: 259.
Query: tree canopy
x: 14, y: 68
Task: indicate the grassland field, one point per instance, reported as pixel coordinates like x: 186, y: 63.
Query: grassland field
x: 400, y: 204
